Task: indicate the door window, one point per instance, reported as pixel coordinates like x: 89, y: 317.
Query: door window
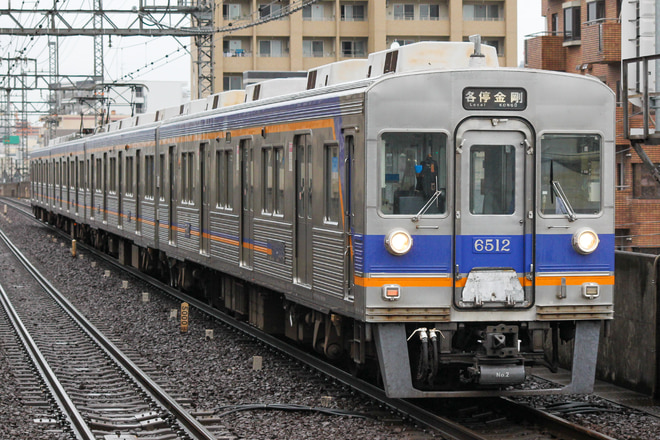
x: 492, y: 179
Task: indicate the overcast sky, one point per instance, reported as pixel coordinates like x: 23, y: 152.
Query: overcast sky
x: 530, y: 21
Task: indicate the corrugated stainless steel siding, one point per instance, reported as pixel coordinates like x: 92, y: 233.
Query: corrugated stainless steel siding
x: 328, y: 261
x: 149, y: 219
x: 224, y: 242
x: 188, y: 230
x: 112, y: 209
x: 128, y: 215
x: 82, y: 202
x: 163, y: 219
x: 268, y: 234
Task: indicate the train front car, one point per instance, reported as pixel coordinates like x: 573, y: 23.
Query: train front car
x: 488, y: 234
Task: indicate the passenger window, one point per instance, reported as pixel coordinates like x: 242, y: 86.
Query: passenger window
x: 187, y: 177
x: 413, y: 170
x: 112, y: 185
x: 161, y: 177
x: 224, y: 167
x: 331, y: 184
x: 492, y: 179
x: 99, y: 175
x: 150, y: 172
x: 279, y: 181
x: 570, y: 163
x: 273, y: 180
x: 129, y: 176
x: 267, y: 178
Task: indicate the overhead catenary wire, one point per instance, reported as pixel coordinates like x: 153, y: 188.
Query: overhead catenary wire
x: 263, y: 14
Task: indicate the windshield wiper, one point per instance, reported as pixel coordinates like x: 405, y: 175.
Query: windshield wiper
x: 425, y: 208
x: 566, y: 205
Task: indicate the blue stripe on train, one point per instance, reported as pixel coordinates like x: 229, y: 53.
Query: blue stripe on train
x: 433, y: 254
x: 555, y: 253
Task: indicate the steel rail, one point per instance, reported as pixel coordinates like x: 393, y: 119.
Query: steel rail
x: 76, y: 421
x: 193, y: 427
x: 446, y: 427
x: 449, y: 429
x: 558, y: 425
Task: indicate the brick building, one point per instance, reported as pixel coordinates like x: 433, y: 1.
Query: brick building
x: 584, y: 37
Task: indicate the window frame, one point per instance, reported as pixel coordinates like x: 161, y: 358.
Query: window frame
x: 129, y: 176
x: 230, y: 80
x: 224, y: 170
x: 112, y: 178
x: 309, y: 52
x: 149, y: 177
x: 353, y: 43
x: 638, y: 191
x: 470, y: 11
x: 267, y: 180
x: 99, y: 175
x: 572, y: 15
x: 429, y: 11
x: 283, y: 47
x: 539, y: 174
x: 403, y: 11
x: 508, y: 193
x: 228, y: 10
x: 187, y: 177
x: 597, y: 8
x: 329, y: 184
x: 448, y: 170
x: 349, y: 12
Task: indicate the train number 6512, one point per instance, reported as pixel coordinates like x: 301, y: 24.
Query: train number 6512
x: 491, y: 245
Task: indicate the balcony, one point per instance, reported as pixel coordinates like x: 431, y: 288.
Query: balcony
x: 431, y: 28
x: 545, y: 51
x: 601, y: 41
x: 493, y: 28
x: 319, y: 28
x: 237, y: 61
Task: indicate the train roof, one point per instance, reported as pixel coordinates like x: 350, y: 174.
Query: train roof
x: 337, y: 78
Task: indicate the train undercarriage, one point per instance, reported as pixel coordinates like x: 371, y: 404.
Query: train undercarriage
x: 443, y: 358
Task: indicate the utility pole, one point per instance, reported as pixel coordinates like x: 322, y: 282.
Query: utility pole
x: 184, y: 18
x: 53, y: 82
x: 98, y: 59
x: 192, y: 18
x: 203, y: 19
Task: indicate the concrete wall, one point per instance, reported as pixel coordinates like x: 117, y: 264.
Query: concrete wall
x: 628, y: 353
x: 15, y: 189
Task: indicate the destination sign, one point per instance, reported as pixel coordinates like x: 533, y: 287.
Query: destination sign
x: 494, y: 98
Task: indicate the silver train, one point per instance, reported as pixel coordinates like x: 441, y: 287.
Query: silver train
x: 423, y: 217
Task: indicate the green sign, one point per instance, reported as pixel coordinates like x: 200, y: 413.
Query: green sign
x: 13, y: 140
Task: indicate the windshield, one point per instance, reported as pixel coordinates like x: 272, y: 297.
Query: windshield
x: 413, y: 166
x: 571, y: 162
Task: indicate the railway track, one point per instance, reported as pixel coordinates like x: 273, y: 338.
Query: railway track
x: 471, y: 421
x: 97, y: 389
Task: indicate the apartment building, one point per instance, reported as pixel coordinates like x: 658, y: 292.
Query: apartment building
x: 584, y: 37
x: 335, y: 30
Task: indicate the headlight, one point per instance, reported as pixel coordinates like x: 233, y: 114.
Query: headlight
x: 585, y: 241
x: 398, y: 242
